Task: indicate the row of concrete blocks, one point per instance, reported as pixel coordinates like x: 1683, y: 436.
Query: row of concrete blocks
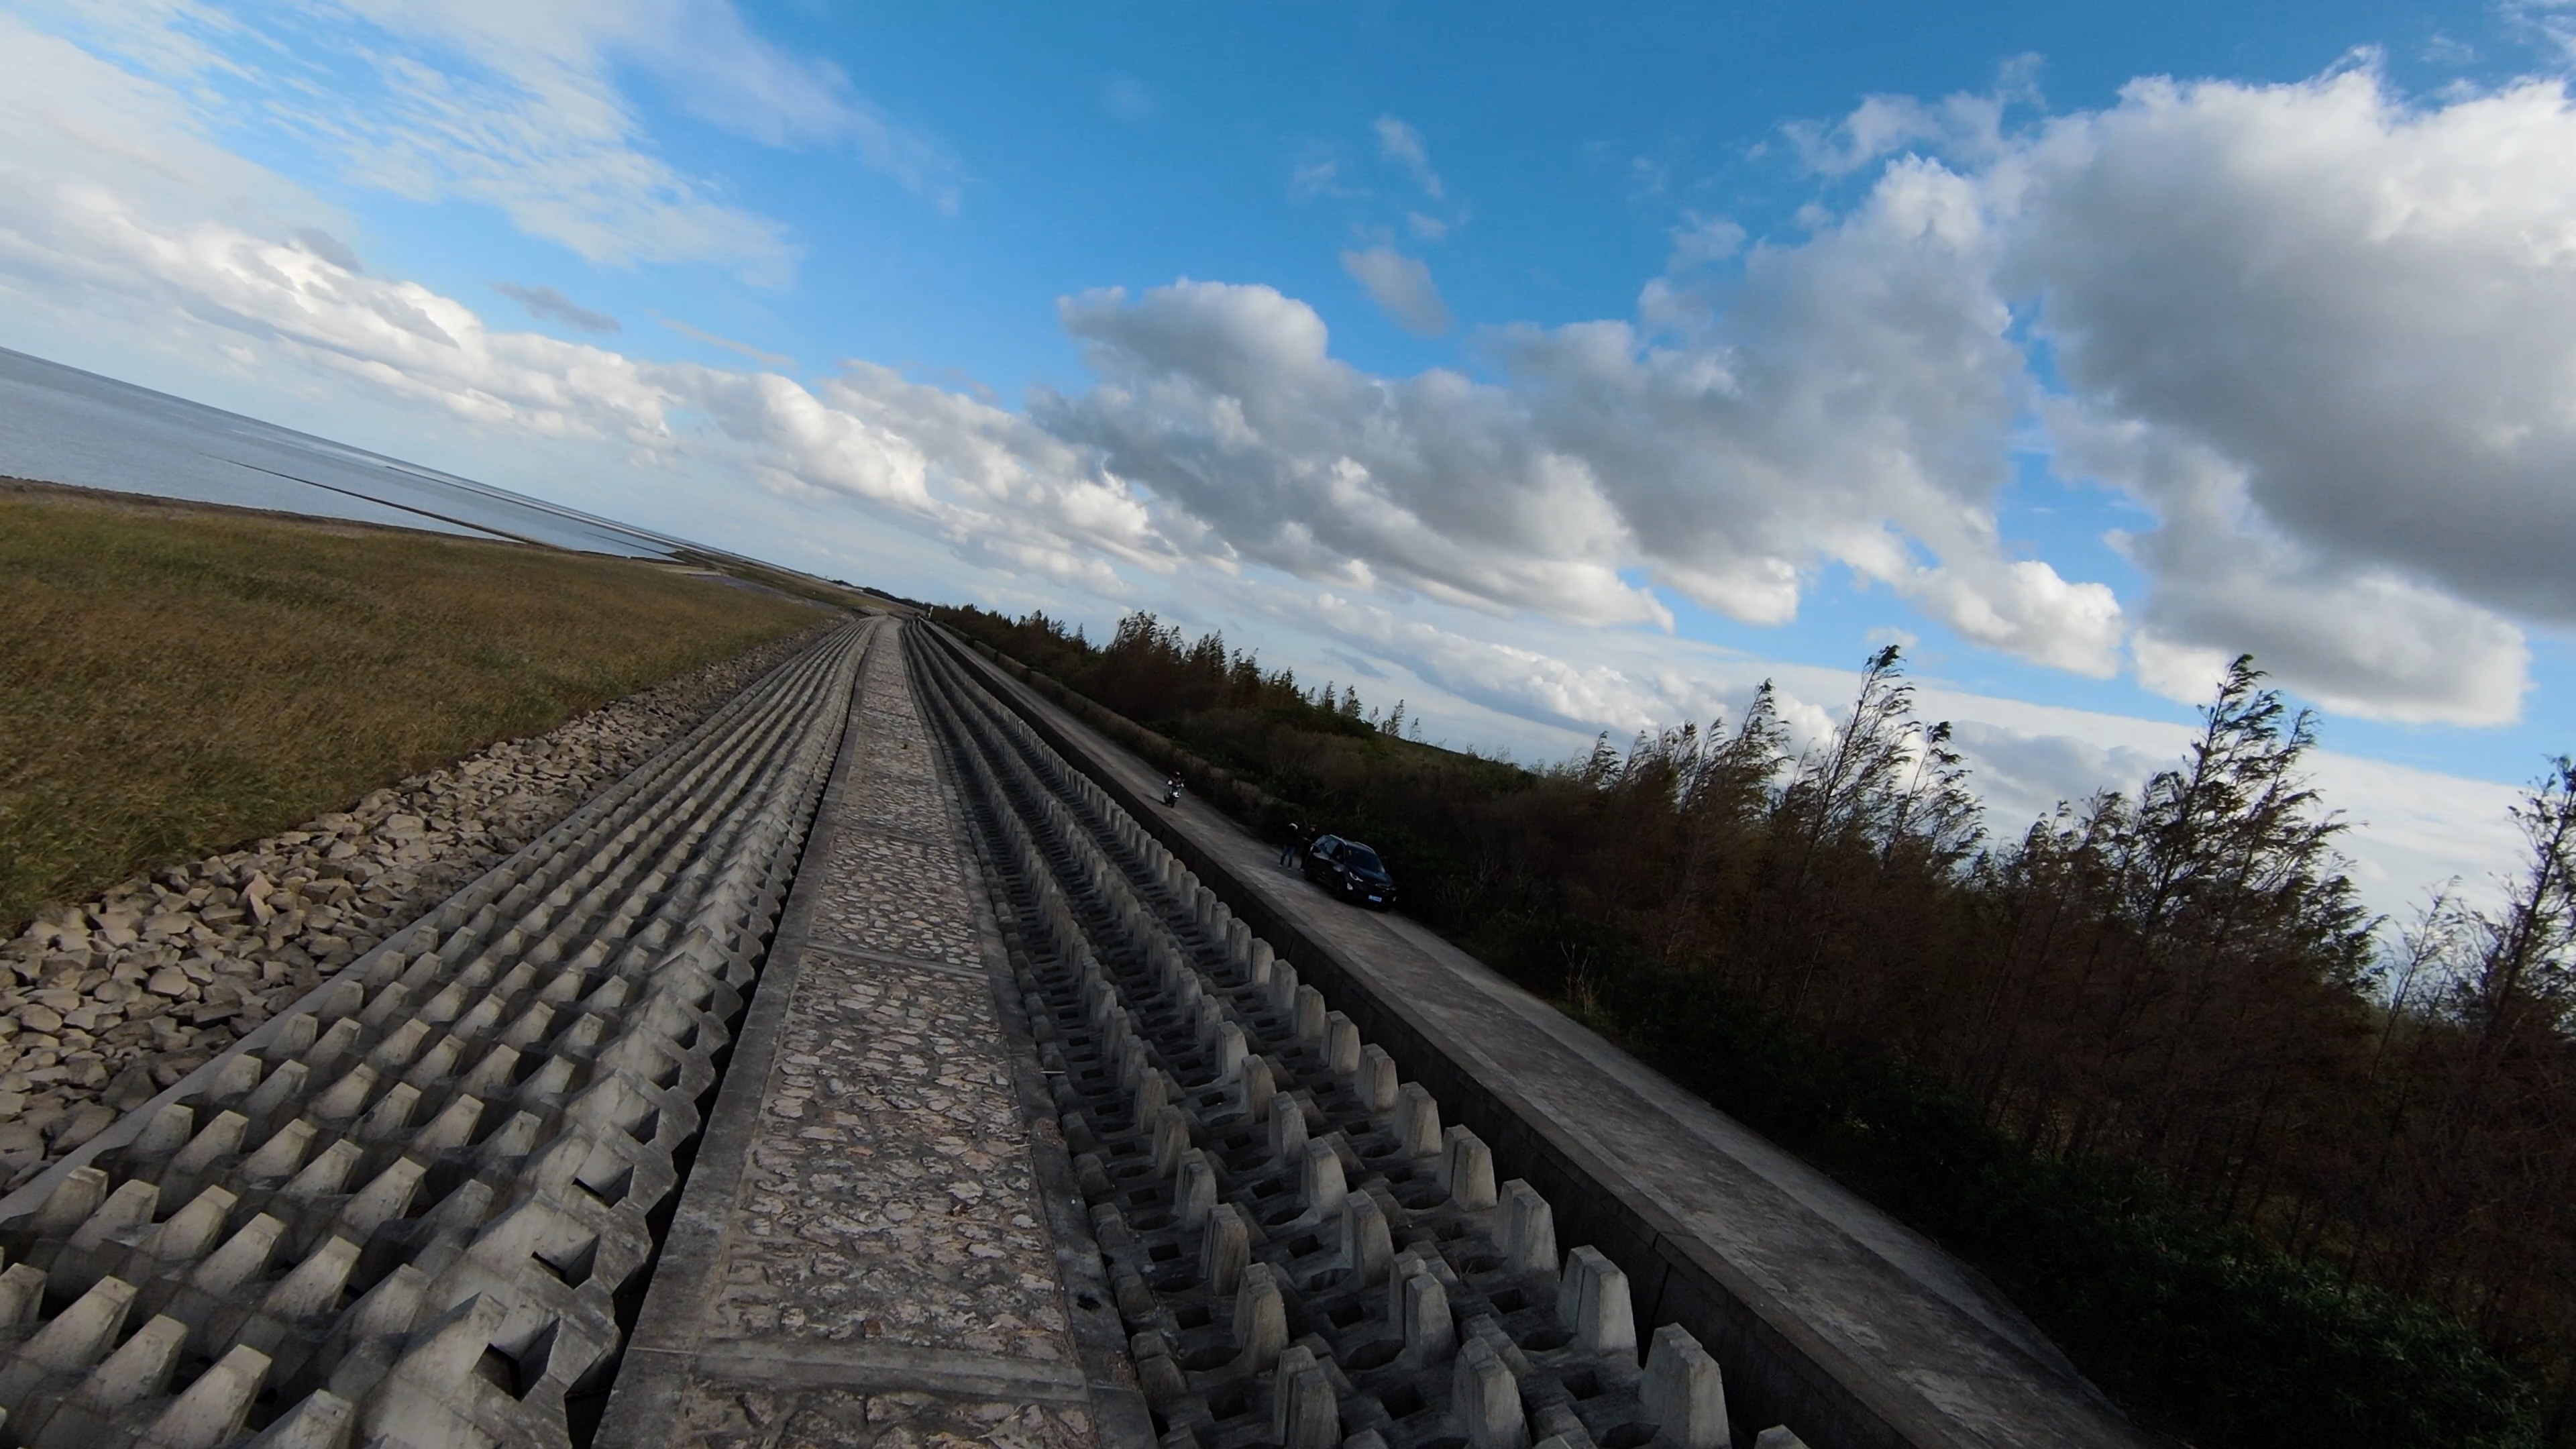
x: 403, y: 1210
x: 1272, y: 1161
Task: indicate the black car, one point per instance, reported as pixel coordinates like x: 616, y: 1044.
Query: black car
x: 1350, y: 870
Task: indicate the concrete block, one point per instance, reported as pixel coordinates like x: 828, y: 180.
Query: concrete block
x: 1484, y: 1399
x: 81, y: 1334
x: 1171, y: 1140
x: 1528, y: 1233
x: 1282, y: 996
x: 1683, y: 1393
x: 126, y: 1211
x: 1287, y: 1130
x: 22, y: 1292
x: 1306, y: 1015
x: 1778, y: 1437
x: 1305, y: 1413
x: 1341, y: 1045
x: 1225, y: 1248
x: 139, y: 1369
x: 1260, y: 1320
x: 1232, y: 1052
x: 72, y: 1201
x: 1195, y: 1197
x: 1430, y: 1334
x: 192, y: 1229
x: 1262, y: 961
x: 313, y: 1288
x: 1592, y: 1304
x: 167, y: 1132
x: 1417, y: 1122
x: 1467, y: 1169
x: 1320, y: 1184
x: 243, y: 1256
x: 1254, y: 1088
x: 1367, y: 1246
x: 1375, y: 1081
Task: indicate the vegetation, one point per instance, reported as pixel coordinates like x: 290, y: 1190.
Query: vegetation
x: 177, y: 679
x: 2148, y: 1063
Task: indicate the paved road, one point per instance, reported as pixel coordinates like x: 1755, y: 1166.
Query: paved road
x: 1941, y: 1355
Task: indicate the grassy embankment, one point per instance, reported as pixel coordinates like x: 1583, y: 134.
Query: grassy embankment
x: 176, y: 679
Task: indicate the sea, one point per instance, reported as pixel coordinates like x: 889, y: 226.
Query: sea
x: 62, y: 425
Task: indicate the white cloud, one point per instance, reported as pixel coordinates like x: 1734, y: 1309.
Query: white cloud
x: 1961, y: 127
x: 1402, y: 288
x: 1704, y: 240
x: 1311, y: 179
x: 717, y: 68
x: 1852, y: 408
x: 1403, y: 145
x: 2330, y: 338
x: 1225, y: 401
x: 520, y: 107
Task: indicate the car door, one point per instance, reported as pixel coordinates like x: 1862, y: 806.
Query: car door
x: 1319, y: 859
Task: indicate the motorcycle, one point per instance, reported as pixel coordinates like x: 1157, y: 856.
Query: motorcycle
x: 1171, y: 792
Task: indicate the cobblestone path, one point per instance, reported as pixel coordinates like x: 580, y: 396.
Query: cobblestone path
x: 869, y: 1251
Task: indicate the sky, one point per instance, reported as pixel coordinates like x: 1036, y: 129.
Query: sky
x: 1552, y: 372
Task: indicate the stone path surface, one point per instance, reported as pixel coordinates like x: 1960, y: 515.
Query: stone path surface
x: 873, y: 1246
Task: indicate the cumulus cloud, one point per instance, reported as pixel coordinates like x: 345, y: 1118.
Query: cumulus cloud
x: 1225, y: 401
x: 1962, y: 127
x: 1402, y: 288
x: 1851, y: 408
x: 2330, y: 337
x: 541, y: 302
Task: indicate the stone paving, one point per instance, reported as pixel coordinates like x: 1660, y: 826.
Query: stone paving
x: 866, y: 1253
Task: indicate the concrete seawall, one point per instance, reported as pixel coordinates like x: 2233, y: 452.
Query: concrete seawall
x: 1826, y: 1314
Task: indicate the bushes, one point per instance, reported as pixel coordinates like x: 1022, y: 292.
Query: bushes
x: 2195, y: 1325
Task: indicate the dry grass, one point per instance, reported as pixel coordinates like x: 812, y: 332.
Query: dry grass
x: 175, y: 679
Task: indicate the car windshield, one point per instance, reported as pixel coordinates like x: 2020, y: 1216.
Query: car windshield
x: 1360, y: 857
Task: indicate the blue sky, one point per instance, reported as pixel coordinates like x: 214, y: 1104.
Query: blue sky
x: 1556, y: 372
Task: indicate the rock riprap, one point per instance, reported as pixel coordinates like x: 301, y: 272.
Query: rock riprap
x: 106, y: 1003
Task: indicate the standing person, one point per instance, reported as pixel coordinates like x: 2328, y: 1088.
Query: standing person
x: 1296, y: 843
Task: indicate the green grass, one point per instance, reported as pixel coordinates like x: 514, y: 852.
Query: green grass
x: 176, y: 679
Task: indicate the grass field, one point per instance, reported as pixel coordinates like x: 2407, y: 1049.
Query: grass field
x: 175, y: 680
